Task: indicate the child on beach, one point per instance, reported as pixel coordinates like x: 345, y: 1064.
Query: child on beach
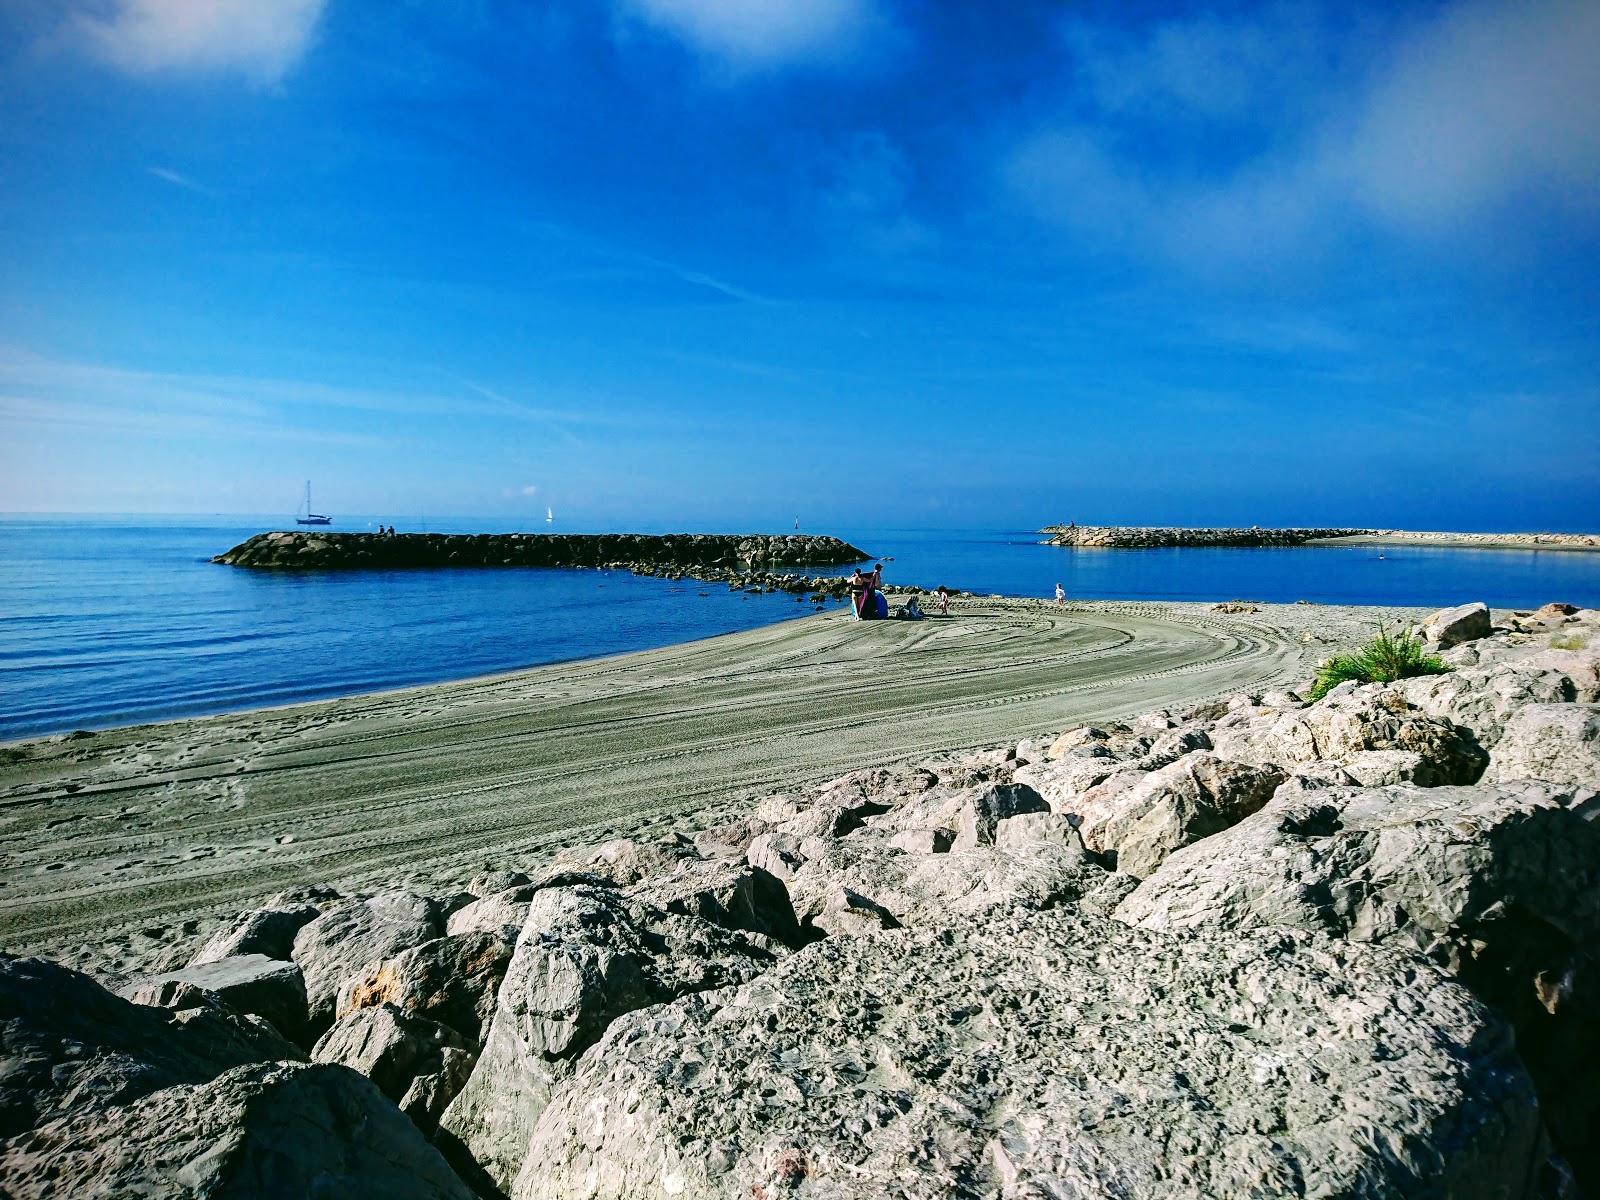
x: 1061, y: 595
x: 944, y: 601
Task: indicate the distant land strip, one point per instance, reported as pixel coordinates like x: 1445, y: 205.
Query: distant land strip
x: 306, y: 550
x: 1138, y: 537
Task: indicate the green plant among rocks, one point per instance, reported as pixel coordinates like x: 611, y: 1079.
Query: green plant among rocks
x: 1389, y: 656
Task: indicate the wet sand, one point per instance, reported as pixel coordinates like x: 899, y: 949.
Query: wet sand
x: 117, y: 849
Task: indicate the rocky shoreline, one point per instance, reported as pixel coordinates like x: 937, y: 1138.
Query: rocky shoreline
x: 684, y: 553
x: 1126, y: 537
x: 1254, y: 947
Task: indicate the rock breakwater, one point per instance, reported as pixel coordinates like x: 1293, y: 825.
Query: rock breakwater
x: 1258, y: 946
x: 1138, y: 537
x: 687, y: 552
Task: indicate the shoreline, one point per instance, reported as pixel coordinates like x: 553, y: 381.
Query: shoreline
x: 1147, y: 537
x: 119, y: 847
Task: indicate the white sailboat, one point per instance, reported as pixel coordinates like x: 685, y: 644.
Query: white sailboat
x: 549, y: 513
x: 311, y: 518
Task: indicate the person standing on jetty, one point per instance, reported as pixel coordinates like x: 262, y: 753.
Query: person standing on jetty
x: 1061, y: 595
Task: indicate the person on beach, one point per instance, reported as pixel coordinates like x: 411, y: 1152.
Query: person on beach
x: 944, y: 601
x: 869, y: 593
x: 857, y: 585
x: 1061, y: 595
x: 911, y: 610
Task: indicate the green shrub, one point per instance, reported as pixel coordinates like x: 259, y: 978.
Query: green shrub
x: 1387, y: 657
x: 1574, y: 641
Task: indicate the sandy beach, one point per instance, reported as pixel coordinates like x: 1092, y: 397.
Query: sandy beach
x: 117, y: 849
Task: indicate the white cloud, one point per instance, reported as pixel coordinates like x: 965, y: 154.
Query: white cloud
x: 260, y: 38
x: 1486, y: 110
x: 761, y: 33
x: 530, y: 490
x: 183, y: 181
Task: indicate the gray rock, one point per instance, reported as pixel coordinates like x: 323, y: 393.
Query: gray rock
x: 275, y: 1129
x: 68, y: 1044
x: 586, y: 956
x: 1171, y: 746
x: 1452, y: 626
x: 1483, y: 699
x: 1558, y: 743
x: 982, y: 812
x: 418, y: 1063
x: 1375, y: 768
x: 268, y: 931
x: 253, y: 983
x: 1042, y: 1054
x: 338, y: 945
x: 451, y: 980
x: 493, y: 883
x: 732, y: 895
x: 502, y: 913
x: 626, y: 862
x: 1143, y: 818
x: 1016, y: 834
x: 1500, y: 884
x: 778, y: 854
x: 923, y: 841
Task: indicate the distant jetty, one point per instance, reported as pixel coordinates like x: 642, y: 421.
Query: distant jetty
x: 1139, y: 537
x: 689, y: 552
x: 1135, y: 537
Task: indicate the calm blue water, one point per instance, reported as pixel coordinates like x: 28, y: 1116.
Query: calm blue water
x: 118, y: 620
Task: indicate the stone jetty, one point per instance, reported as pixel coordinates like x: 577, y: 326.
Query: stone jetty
x: 1139, y: 537
x: 1257, y: 947
x: 687, y: 552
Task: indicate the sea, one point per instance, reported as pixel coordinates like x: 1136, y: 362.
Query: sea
x: 109, y: 621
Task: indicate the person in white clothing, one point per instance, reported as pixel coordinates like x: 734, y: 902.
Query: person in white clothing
x: 1061, y: 595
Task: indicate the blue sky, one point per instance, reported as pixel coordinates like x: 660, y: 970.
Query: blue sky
x: 717, y: 263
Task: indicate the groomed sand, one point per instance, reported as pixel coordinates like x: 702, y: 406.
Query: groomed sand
x: 116, y: 850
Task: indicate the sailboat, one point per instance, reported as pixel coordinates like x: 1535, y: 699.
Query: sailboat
x: 311, y: 518
x: 549, y: 513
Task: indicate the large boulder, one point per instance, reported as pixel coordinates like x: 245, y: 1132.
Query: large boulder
x: 417, y: 1063
x: 451, y: 980
x: 624, y: 861
x: 251, y: 983
x: 586, y: 956
x: 1452, y: 626
x: 337, y: 946
x: 1499, y: 884
x: 69, y: 1044
x: 1154, y: 814
x: 1483, y: 698
x: 1345, y: 724
x: 1558, y: 743
x: 981, y: 812
x: 733, y: 895
x: 266, y: 931
x: 1027, y: 1053
x: 274, y: 1129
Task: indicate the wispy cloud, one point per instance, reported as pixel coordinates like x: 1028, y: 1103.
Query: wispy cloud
x: 183, y: 181
x: 752, y: 34
x: 262, y: 39
x: 1487, y: 106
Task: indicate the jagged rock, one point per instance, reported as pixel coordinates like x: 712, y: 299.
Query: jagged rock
x: 253, y: 983
x: 1558, y: 743
x: 922, y: 890
x: 730, y: 840
x: 1500, y: 884
x: 274, y: 1129
x: 1452, y: 626
x: 1072, y: 739
x: 1144, y: 817
x: 626, y: 862
x: 418, y: 1063
x: 1016, y: 834
x: 828, y: 820
x: 1348, y: 721
x: 338, y: 945
x: 268, y: 931
x: 923, y: 841
x: 982, y: 812
x: 1374, y: 768
x: 586, y: 956
x: 451, y: 980
x: 70, y: 1045
x: 1484, y: 697
x: 502, y: 913
x: 493, y: 883
x: 778, y: 854
x: 1030, y: 1053
x: 1063, y: 780
x: 1171, y: 746
x: 734, y: 896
